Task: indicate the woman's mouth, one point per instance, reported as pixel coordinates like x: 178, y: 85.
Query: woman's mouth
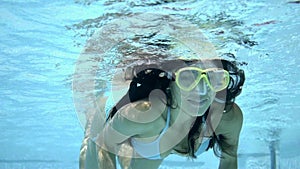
x: 200, y: 102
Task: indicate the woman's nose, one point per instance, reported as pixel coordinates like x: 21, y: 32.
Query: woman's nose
x: 203, y: 88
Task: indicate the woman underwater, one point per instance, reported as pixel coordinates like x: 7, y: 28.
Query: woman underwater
x: 174, y: 106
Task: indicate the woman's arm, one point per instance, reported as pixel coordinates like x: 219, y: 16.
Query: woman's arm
x: 229, y: 161
x: 120, y: 128
x: 127, y: 123
x: 110, y: 140
x: 229, y: 128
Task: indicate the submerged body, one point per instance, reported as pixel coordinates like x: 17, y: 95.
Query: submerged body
x: 229, y: 127
x: 185, y: 114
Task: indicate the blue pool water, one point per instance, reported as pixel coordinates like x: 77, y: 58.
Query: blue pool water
x: 41, y: 41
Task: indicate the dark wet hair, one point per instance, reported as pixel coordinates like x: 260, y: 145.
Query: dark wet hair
x: 237, y: 79
x: 142, y: 84
x: 148, y: 77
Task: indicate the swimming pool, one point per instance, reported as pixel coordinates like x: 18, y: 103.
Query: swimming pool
x: 41, y: 41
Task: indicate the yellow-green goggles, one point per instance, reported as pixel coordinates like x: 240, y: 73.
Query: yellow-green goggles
x: 188, y: 78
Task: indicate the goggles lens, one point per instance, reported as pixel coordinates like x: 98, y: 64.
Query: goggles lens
x: 189, y: 77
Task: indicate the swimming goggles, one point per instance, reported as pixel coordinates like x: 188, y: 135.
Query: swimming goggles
x: 188, y: 78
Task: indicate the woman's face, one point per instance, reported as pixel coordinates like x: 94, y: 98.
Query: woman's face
x: 194, y: 90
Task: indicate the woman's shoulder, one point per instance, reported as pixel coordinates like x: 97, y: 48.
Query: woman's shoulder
x: 231, y: 122
x: 136, y: 108
x: 142, y: 111
x: 135, y: 118
x: 238, y: 114
x: 233, y: 114
x: 141, y: 105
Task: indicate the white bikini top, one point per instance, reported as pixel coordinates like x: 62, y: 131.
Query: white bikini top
x: 151, y: 150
